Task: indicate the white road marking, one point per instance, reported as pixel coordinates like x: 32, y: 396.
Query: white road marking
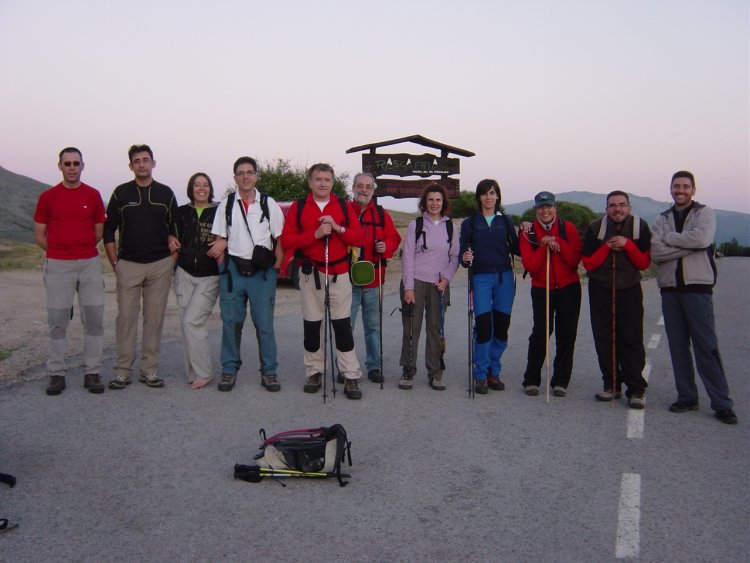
x: 654, y: 342
x: 637, y: 418
x: 629, y: 517
x: 660, y: 322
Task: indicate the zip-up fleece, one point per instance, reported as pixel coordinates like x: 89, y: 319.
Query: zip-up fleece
x: 194, y: 234
x: 563, y: 269
x: 691, y: 246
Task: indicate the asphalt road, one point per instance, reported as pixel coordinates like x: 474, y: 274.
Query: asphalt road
x: 146, y: 474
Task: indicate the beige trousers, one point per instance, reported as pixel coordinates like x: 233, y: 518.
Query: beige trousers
x: 151, y: 283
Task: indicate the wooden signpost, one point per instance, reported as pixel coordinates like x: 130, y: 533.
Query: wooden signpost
x: 426, y: 166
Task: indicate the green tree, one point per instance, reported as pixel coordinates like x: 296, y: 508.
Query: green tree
x: 579, y: 215
x: 285, y: 182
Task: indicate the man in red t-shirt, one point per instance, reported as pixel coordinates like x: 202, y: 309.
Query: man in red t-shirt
x: 68, y: 224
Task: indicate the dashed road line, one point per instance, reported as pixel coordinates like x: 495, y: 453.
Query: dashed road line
x: 653, y: 341
x: 660, y: 322
x: 637, y: 418
x: 628, y: 543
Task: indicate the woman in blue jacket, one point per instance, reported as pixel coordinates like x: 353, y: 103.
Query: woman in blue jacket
x: 488, y: 241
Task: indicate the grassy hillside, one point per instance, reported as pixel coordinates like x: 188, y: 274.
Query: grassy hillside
x: 18, y: 195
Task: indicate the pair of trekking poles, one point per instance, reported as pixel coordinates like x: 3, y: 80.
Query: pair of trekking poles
x: 327, y: 321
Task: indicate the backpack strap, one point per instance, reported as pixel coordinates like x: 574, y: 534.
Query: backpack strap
x: 419, y: 232
x: 301, y: 205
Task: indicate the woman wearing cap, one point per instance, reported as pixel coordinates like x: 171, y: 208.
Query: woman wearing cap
x: 429, y: 262
x: 488, y: 243
x: 550, y: 235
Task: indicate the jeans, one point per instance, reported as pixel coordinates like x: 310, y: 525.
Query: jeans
x: 259, y: 290
x: 689, y: 318
x: 369, y: 300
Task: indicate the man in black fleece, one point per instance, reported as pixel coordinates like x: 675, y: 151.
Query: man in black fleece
x: 143, y: 211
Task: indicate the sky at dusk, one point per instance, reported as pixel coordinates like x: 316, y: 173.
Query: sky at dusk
x: 560, y: 95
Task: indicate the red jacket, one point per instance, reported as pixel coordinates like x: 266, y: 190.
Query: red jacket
x: 372, y: 231
x: 302, y: 237
x: 563, y: 269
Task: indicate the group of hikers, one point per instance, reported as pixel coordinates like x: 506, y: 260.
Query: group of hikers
x: 233, y: 250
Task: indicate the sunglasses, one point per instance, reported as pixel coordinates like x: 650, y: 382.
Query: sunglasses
x: 74, y: 163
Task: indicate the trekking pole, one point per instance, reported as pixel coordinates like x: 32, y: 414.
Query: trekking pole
x: 410, y: 312
x: 546, y: 323
x: 326, y: 320
x: 442, y: 323
x: 614, y: 329
x: 470, y: 307
x: 380, y: 316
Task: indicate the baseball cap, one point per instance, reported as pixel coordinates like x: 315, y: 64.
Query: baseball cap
x: 544, y: 198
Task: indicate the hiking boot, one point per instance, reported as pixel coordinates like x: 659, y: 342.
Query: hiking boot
x: 727, y: 416
x: 118, y: 383
x: 683, y: 406
x: 152, y: 380
x: 351, y: 389
x: 270, y: 382
x: 56, y: 384
x: 406, y: 381
x: 637, y: 401
x: 480, y: 386
x: 227, y: 381
x: 494, y: 383
x: 436, y: 382
x: 375, y: 376
x: 531, y: 390
x: 312, y: 383
x: 558, y: 391
x: 92, y: 382
x: 606, y: 395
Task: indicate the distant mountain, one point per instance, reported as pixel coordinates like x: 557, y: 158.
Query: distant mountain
x: 18, y: 196
x: 729, y: 224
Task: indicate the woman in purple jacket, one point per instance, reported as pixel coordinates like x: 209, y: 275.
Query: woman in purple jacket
x: 429, y: 262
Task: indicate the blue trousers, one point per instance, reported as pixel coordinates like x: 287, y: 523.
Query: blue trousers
x: 689, y: 318
x: 367, y: 298
x: 260, y: 291
x: 493, y: 301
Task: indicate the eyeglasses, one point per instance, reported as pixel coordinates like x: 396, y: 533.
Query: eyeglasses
x: 74, y: 163
x: 246, y: 173
x: 365, y: 186
x: 618, y: 206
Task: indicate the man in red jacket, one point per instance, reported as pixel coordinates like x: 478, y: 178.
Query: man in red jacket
x: 560, y: 239
x: 324, y: 217
x: 617, y: 248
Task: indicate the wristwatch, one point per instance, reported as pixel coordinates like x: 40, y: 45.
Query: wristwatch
x: 343, y: 230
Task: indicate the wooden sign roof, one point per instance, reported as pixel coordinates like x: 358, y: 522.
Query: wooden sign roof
x: 417, y: 139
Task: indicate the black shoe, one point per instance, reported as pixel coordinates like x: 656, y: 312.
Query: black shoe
x: 683, y: 406
x: 312, y: 384
x: 351, y: 389
x: 340, y: 378
x: 727, y: 416
x: 270, y: 382
x: 227, y: 381
x: 494, y: 383
x: 375, y: 376
x: 56, y: 384
x: 481, y: 387
x: 92, y: 382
